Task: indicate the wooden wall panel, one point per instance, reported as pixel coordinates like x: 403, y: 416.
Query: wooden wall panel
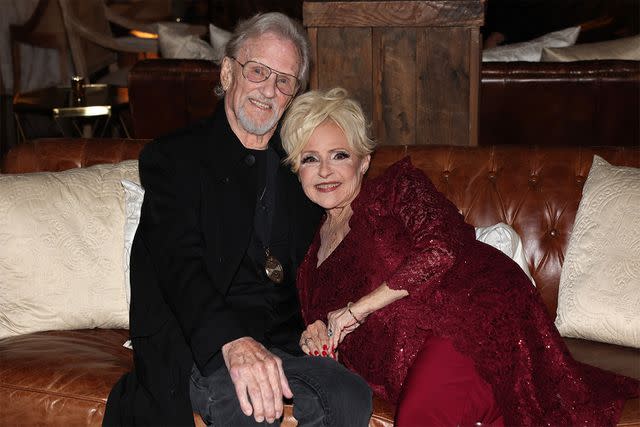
x: 398, y: 86
x: 393, y: 13
x: 414, y: 65
x: 444, y: 89
x: 344, y: 59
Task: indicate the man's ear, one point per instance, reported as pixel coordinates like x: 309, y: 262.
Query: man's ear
x: 226, y: 73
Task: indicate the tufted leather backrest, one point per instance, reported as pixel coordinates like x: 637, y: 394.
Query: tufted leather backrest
x: 57, y: 154
x: 536, y: 190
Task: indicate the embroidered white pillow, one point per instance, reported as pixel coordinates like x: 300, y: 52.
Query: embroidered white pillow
x: 133, y: 197
x: 627, y: 48
x: 599, y: 295
x: 61, y: 249
x: 531, y: 50
x: 179, y: 45
x: 218, y: 39
x: 504, y: 238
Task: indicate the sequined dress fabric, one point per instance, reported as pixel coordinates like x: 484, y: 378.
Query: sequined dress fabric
x: 407, y: 234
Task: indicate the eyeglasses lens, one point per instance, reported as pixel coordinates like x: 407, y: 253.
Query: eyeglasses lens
x: 256, y: 73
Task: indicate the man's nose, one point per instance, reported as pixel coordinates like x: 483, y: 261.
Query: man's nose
x: 269, y: 86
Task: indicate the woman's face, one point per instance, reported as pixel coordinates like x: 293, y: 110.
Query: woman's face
x: 330, y: 171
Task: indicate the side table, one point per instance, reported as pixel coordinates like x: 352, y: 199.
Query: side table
x: 103, y: 104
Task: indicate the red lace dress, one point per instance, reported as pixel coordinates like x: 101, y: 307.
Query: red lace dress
x: 407, y: 234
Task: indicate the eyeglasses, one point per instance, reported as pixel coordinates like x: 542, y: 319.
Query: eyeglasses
x: 256, y: 72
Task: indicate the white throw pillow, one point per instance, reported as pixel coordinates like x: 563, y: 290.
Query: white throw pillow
x: 599, y: 295
x: 133, y: 197
x: 176, y: 44
x: 625, y: 48
x: 218, y: 39
x: 504, y: 238
x: 61, y: 249
x: 531, y: 50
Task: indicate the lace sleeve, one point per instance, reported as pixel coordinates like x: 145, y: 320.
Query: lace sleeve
x: 436, y: 230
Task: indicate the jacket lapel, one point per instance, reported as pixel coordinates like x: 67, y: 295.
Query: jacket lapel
x: 229, y: 189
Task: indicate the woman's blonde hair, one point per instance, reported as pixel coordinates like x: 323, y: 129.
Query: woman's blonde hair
x: 310, y: 110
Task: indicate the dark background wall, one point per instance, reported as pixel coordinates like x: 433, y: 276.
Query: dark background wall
x: 518, y: 20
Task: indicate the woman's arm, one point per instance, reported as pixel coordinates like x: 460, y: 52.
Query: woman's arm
x: 345, y: 320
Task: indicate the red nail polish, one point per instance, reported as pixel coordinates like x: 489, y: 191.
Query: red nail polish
x: 316, y: 353
x: 310, y: 353
x: 324, y: 353
x: 324, y: 346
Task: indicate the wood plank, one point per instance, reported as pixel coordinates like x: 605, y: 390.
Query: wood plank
x: 443, y: 93
x: 431, y: 13
x: 475, y: 41
x: 313, y: 72
x: 344, y: 59
x: 377, y: 123
x: 398, y: 86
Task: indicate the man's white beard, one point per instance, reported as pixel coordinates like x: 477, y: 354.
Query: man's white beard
x: 256, y: 128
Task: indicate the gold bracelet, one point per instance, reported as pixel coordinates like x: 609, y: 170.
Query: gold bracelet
x: 351, y: 313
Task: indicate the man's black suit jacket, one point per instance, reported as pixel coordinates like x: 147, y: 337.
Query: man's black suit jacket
x: 196, y: 221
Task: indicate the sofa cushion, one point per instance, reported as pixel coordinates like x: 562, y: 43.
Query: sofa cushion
x: 218, y: 39
x: 133, y: 197
x: 60, y: 377
x: 179, y: 45
x: 625, y: 48
x: 532, y: 49
x: 504, y: 238
x: 61, y: 256
x: 599, y: 294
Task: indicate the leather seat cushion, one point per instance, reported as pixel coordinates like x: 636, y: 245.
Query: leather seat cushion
x: 65, y: 376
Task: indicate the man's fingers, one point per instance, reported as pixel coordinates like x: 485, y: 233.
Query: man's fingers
x: 241, y: 392
x: 284, y: 383
x: 265, y: 394
x: 273, y: 395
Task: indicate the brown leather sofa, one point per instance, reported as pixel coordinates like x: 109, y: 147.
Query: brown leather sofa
x: 62, y: 378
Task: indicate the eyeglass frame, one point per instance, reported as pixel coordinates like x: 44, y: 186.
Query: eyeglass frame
x: 271, y: 71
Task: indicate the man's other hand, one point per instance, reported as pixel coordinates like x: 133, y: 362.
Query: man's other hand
x: 258, y: 378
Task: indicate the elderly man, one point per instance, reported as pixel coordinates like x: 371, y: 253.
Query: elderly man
x: 215, y: 321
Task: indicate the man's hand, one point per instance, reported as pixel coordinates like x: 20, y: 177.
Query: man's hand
x: 258, y: 377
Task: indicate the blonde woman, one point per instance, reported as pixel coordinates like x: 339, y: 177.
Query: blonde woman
x: 397, y: 285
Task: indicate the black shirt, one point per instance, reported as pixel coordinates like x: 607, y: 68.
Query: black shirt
x: 275, y: 304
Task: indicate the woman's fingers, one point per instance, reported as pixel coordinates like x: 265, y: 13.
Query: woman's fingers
x: 315, y: 341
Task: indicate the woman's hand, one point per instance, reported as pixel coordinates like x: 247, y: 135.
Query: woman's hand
x: 315, y: 340
x: 341, y: 323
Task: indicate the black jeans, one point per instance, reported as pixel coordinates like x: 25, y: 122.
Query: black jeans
x: 325, y: 393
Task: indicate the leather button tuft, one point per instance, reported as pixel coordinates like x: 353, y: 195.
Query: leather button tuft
x: 225, y: 180
x: 446, y: 174
x: 553, y: 232
x: 492, y: 176
x: 533, y: 179
x: 250, y: 160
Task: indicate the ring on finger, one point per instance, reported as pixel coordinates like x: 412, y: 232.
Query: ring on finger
x: 329, y: 332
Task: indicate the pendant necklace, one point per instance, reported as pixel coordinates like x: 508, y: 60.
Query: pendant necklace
x: 272, y: 267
